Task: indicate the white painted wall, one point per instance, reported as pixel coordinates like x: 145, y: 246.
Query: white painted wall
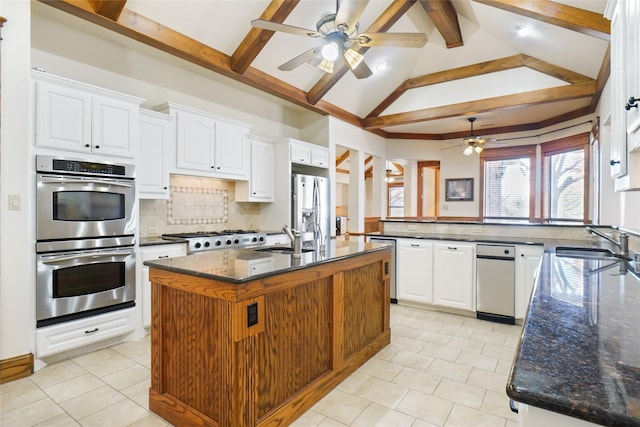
x: 17, y: 275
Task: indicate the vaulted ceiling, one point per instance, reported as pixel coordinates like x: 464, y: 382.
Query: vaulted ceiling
x: 473, y: 64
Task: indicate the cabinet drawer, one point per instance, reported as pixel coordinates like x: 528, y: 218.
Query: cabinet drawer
x: 78, y: 333
x: 162, y: 251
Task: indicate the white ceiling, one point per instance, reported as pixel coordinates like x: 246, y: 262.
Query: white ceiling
x: 489, y: 33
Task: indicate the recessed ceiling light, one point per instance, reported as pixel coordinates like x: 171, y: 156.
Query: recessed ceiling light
x: 523, y: 30
x: 382, y: 65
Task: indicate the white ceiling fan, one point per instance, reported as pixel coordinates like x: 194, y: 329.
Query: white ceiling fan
x: 474, y: 143
x: 339, y: 32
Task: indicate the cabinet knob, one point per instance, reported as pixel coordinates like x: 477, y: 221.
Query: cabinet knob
x: 87, y: 145
x: 213, y: 167
x: 614, y: 162
x: 97, y: 146
x: 164, y: 188
x: 632, y: 103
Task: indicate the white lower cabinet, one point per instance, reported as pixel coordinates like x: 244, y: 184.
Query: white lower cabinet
x: 453, y: 275
x: 414, y: 268
x: 82, y: 332
x: 527, y: 265
x: 153, y: 252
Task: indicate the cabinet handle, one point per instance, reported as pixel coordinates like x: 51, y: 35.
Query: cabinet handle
x: 91, y: 331
x: 414, y: 245
x: 632, y: 103
x: 163, y: 256
x: 452, y: 248
x: 614, y: 162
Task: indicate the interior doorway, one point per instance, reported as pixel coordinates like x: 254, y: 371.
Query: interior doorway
x: 428, y: 188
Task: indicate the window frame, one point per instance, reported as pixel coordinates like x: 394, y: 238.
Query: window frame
x: 510, y: 153
x: 389, y: 185
x: 565, y: 145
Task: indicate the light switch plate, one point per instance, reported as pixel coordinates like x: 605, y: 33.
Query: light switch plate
x: 14, y: 202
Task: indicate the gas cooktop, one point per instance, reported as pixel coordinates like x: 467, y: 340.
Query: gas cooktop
x: 199, y: 241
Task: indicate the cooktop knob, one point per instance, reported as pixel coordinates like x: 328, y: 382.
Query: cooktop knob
x: 218, y: 242
x: 228, y: 241
x: 236, y: 241
x: 254, y: 239
x: 207, y: 244
x: 198, y: 245
x: 261, y: 239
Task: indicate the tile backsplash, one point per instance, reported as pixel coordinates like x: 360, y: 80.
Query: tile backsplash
x: 197, y: 204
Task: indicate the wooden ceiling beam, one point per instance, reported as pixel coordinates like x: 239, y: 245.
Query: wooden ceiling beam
x: 572, y: 18
x: 561, y: 93
x: 256, y: 39
x: 110, y: 9
x: 445, y: 18
x: 389, y: 17
x: 165, y: 39
x: 342, y: 158
x: 473, y: 70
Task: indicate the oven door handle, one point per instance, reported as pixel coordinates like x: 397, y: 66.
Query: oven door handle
x: 48, y: 180
x: 63, y: 258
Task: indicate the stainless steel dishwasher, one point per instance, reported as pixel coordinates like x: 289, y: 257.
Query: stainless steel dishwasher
x: 495, y: 281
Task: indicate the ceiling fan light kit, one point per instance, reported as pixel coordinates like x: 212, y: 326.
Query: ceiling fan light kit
x: 339, y: 30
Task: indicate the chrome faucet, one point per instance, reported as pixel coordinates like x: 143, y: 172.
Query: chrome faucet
x: 296, y: 243
x: 623, y: 242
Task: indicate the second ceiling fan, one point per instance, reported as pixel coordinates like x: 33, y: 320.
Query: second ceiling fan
x: 339, y: 32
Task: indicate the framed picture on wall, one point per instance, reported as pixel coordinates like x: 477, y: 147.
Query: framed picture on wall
x: 458, y: 190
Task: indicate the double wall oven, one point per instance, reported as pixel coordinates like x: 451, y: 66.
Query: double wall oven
x: 85, y: 231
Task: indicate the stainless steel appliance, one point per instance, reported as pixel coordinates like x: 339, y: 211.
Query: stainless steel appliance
x: 389, y: 241
x: 495, y: 281
x: 81, y: 199
x: 85, y: 225
x: 226, y: 239
x: 310, y: 210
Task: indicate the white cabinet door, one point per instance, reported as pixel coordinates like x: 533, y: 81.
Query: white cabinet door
x: 300, y: 153
x: 114, y: 127
x: 260, y: 187
x: 232, y: 152
x: 527, y: 264
x: 195, y: 141
x: 320, y: 157
x: 94, y: 120
x: 154, y: 252
x: 63, y: 118
x: 414, y: 268
x: 453, y: 275
x: 157, y: 139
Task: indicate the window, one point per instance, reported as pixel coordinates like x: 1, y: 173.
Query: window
x: 565, y: 183
x: 395, y: 202
x: 507, y: 183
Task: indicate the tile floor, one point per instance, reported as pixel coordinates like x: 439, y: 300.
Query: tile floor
x: 439, y: 370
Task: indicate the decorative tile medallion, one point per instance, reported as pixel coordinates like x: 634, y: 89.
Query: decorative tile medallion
x: 196, y: 206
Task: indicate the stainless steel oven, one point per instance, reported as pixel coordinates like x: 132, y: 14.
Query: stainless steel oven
x: 77, y: 283
x: 80, y: 199
x: 85, y: 229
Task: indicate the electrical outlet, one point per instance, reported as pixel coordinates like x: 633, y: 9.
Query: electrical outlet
x: 445, y: 207
x: 153, y: 231
x: 14, y: 202
x: 252, y: 314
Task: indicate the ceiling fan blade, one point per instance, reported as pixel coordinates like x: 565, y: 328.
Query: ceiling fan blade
x: 307, y: 56
x: 452, y: 146
x: 391, y: 39
x: 349, y: 12
x: 274, y: 26
x: 361, y: 71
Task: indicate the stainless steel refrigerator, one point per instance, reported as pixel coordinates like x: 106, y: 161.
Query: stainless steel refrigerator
x: 310, y: 210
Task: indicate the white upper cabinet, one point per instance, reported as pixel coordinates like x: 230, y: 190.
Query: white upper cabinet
x: 72, y: 116
x: 260, y: 187
x: 209, y: 145
x: 305, y: 153
x: 625, y: 85
x: 157, y: 140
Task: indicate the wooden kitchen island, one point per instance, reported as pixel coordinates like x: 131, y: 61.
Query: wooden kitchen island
x: 254, y: 338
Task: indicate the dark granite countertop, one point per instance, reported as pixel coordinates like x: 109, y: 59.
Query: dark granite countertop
x: 243, y: 265
x: 579, y: 353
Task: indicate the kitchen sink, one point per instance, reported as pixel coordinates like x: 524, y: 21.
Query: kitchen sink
x: 280, y: 250
x: 594, y: 253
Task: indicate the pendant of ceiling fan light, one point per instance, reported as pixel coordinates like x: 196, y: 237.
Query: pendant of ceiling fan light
x: 478, y: 149
x: 353, y: 58
x: 326, y: 66
x: 330, y: 51
x: 468, y: 150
